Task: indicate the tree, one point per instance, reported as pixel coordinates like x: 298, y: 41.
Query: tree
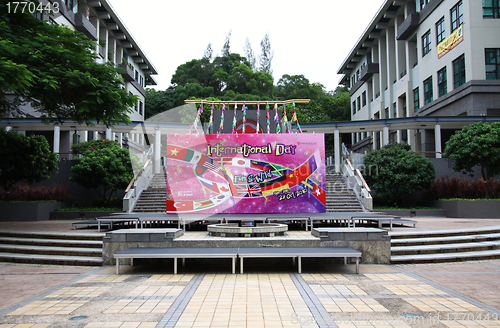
x: 249, y: 53
x: 106, y: 169
x: 157, y: 102
x: 396, y: 169
x: 208, y: 53
x: 266, y: 56
x: 25, y: 159
x: 476, y: 144
x: 226, y: 48
x: 54, y: 69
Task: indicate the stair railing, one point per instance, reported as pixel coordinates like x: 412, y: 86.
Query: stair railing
x: 356, y: 182
x: 138, y: 184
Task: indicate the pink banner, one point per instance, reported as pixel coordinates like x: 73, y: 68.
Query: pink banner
x: 246, y: 173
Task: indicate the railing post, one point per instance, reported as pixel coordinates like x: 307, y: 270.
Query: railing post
x: 157, y: 151
x: 336, y: 146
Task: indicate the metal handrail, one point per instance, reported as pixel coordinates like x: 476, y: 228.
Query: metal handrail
x: 136, y: 175
x: 349, y: 163
x: 363, y: 180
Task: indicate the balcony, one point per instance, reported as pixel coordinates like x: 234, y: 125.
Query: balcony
x: 82, y: 24
x: 410, y: 24
x: 138, y: 87
x: 368, y: 71
x: 128, y: 73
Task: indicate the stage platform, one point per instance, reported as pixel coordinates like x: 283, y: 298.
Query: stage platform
x: 306, y: 220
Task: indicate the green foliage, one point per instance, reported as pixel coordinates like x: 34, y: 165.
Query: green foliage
x: 158, y: 101
x: 54, y: 70
x: 476, y: 144
x: 25, y: 159
x: 395, y: 169
x: 106, y: 170
x: 91, y: 145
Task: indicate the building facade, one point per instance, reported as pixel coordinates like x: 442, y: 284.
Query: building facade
x: 421, y: 58
x: 99, y: 22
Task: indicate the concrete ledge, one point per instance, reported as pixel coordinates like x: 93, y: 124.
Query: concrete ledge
x: 69, y: 215
x: 374, y: 244
x: 470, y: 208
x: 440, y: 212
x: 28, y: 211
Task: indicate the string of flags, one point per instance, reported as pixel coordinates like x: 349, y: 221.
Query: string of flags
x: 281, y: 123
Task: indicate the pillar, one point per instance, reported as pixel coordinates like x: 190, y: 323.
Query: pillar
x: 85, y: 135
x: 385, y: 135
x: 109, y: 134
x: 157, y: 152
x: 57, y: 138
x: 437, y: 132
x: 336, y: 147
x: 120, y: 139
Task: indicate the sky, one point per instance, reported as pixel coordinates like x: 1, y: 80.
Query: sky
x: 308, y: 37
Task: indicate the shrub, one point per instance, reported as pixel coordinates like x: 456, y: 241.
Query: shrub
x: 454, y: 187
x: 25, y: 192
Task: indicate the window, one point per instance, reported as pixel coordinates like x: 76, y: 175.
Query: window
x: 423, y: 3
x: 491, y: 8
x: 354, y: 107
x: 442, y: 82
x: 357, y: 75
x: 69, y: 3
x: 428, y: 91
x: 492, y: 60
x: 395, y: 110
x: 353, y: 81
x: 140, y: 107
x: 363, y: 97
x: 386, y: 113
x: 416, y: 99
x: 459, y: 71
x: 359, y: 103
x: 457, y: 16
x: 426, y: 43
x: 440, y: 31
x: 137, y: 76
x: 405, y: 114
x: 135, y: 107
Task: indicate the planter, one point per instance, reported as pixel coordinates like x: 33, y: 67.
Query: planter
x: 470, y: 208
x: 28, y: 211
x: 416, y: 213
x: 71, y: 215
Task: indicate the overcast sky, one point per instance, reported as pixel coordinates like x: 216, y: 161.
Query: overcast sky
x: 308, y: 37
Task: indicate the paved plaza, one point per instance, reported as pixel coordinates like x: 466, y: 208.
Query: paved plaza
x: 270, y: 294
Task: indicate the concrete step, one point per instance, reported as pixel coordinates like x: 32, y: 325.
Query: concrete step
x: 447, y: 257
x: 444, y: 233
x: 31, y: 249
x: 445, y: 248
x: 97, y: 244
x: 53, y: 235
x: 50, y: 259
x: 444, y: 240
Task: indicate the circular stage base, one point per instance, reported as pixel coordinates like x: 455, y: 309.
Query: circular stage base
x: 233, y: 230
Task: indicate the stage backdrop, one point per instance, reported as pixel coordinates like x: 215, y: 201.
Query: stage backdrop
x: 246, y: 173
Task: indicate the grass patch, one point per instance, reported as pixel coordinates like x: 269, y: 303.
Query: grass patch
x: 88, y: 209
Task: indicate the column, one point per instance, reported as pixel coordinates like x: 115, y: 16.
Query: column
x: 157, y: 152
x: 57, y: 138
x: 437, y: 139
x: 336, y: 147
x: 374, y: 140
x: 120, y: 139
x: 108, y: 133
x: 85, y: 135
x: 385, y: 135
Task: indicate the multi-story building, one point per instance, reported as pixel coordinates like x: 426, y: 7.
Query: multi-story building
x: 424, y: 57
x: 114, y: 43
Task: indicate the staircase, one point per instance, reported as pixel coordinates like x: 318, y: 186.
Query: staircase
x: 339, y: 197
x: 445, y: 245
x: 51, y: 248
x: 153, y: 199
